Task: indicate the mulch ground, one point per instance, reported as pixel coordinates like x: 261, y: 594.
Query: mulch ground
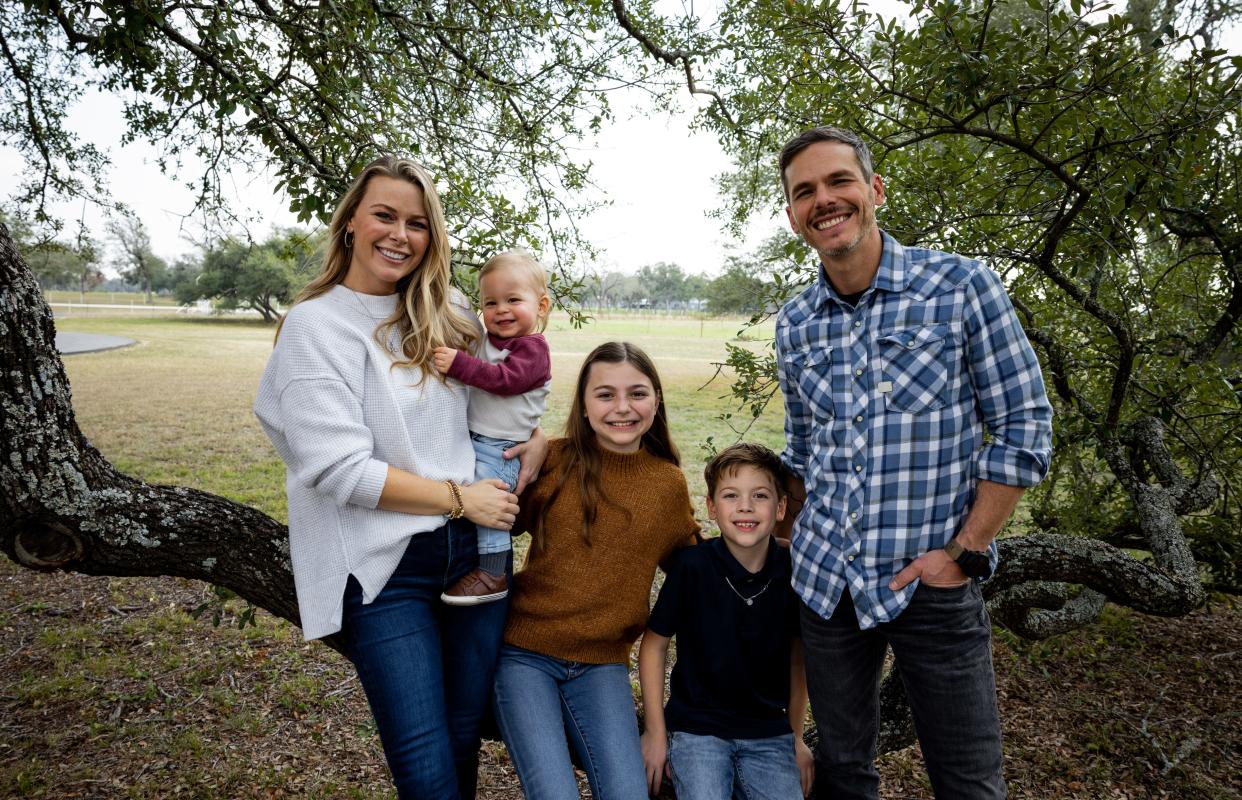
x: 109, y: 689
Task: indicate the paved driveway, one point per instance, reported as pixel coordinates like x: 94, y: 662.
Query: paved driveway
x: 69, y: 343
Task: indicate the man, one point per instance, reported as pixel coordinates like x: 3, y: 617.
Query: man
x: 894, y: 364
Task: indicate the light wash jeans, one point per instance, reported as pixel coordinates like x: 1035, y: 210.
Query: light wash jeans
x: 489, y: 462
x: 426, y: 667
x: 710, y: 768
x: 545, y: 705
x: 942, y: 643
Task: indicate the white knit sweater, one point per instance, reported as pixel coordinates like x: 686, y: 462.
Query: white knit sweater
x: 339, y: 415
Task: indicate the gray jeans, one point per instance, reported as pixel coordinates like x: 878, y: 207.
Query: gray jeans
x: 943, y: 643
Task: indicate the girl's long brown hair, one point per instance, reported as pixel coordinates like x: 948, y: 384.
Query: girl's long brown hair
x: 583, y: 458
x: 425, y: 317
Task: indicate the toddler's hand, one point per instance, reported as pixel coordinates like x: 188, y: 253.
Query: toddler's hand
x: 443, y: 357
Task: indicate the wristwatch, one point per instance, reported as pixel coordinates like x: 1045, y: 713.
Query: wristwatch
x: 974, y: 563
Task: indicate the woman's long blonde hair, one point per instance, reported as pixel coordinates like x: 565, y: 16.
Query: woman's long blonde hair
x: 425, y: 317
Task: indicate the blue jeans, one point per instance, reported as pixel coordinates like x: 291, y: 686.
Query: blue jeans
x: 709, y: 768
x: 942, y: 643
x: 545, y: 705
x: 489, y: 462
x: 427, y: 667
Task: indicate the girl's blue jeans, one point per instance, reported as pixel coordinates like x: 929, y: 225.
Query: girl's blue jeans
x: 546, y: 705
x: 426, y: 667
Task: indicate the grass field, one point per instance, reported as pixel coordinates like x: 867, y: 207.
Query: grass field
x: 175, y: 408
x: 110, y: 689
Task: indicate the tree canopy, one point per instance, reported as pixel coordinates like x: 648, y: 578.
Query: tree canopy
x: 493, y: 97
x: 250, y: 275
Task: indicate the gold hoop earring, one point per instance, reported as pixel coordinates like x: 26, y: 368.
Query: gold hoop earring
x: 349, y: 239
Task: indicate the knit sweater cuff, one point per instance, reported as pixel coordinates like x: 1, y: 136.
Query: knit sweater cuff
x: 370, y: 485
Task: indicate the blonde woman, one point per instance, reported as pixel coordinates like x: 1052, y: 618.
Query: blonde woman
x: 382, y: 513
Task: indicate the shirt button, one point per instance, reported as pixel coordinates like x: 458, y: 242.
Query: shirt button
x: 857, y: 323
x: 858, y: 372
x: 910, y: 343
x: 858, y: 467
x: 853, y: 515
x: 858, y: 418
x: 850, y: 559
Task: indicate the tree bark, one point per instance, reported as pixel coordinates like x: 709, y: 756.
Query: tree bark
x: 65, y: 507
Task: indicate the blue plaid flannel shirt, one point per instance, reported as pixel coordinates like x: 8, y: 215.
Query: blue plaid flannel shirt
x: 886, y: 405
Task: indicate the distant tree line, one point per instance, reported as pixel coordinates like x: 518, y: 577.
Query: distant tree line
x: 744, y: 286
x: 240, y: 273
x: 231, y: 272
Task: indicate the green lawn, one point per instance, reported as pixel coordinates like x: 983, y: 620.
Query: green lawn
x: 175, y: 408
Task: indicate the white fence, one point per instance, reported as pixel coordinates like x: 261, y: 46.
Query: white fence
x: 201, y: 308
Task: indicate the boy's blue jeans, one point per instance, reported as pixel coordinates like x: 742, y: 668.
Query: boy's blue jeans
x: 489, y: 462
x: 942, y: 643
x: 708, y: 768
x: 427, y: 667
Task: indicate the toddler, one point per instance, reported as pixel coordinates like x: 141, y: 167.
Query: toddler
x: 509, y: 389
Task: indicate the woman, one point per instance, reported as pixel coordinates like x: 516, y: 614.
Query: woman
x: 378, y: 457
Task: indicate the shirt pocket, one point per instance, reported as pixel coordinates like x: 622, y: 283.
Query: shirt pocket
x: 915, y: 364
x: 812, y: 369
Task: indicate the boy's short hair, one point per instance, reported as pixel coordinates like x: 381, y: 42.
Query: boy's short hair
x: 745, y: 454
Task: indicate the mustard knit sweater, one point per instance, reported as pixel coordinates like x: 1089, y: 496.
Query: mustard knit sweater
x: 590, y: 603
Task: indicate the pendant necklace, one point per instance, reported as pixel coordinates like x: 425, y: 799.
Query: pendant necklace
x: 750, y: 601
x: 394, y: 342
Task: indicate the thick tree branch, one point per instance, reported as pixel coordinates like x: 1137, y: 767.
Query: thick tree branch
x: 674, y: 58
x: 65, y: 507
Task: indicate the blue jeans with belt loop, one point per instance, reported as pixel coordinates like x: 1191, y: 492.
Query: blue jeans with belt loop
x: 942, y: 642
x: 427, y: 667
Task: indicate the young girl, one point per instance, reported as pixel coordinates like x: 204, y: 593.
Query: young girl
x: 511, y: 379
x: 379, y: 461
x: 611, y: 504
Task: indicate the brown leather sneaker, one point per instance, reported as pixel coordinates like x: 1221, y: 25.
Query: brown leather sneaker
x: 476, y: 587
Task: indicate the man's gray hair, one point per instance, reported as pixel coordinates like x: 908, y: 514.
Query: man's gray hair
x: 825, y: 133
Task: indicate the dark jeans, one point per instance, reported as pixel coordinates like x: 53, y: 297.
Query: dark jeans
x: 426, y: 667
x: 943, y: 643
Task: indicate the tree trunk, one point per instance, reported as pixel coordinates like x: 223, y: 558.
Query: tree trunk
x: 65, y: 507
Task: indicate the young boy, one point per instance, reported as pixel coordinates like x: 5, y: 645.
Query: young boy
x: 738, y: 692
x: 510, y: 389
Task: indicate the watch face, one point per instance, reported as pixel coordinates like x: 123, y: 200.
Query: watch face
x: 975, y: 565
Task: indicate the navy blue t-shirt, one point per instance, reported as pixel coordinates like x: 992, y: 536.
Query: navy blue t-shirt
x: 731, y: 679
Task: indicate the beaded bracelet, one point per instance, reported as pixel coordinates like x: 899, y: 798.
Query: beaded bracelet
x: 459, y: 508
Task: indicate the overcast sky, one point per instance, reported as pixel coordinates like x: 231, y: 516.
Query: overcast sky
x: 657, y: 173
